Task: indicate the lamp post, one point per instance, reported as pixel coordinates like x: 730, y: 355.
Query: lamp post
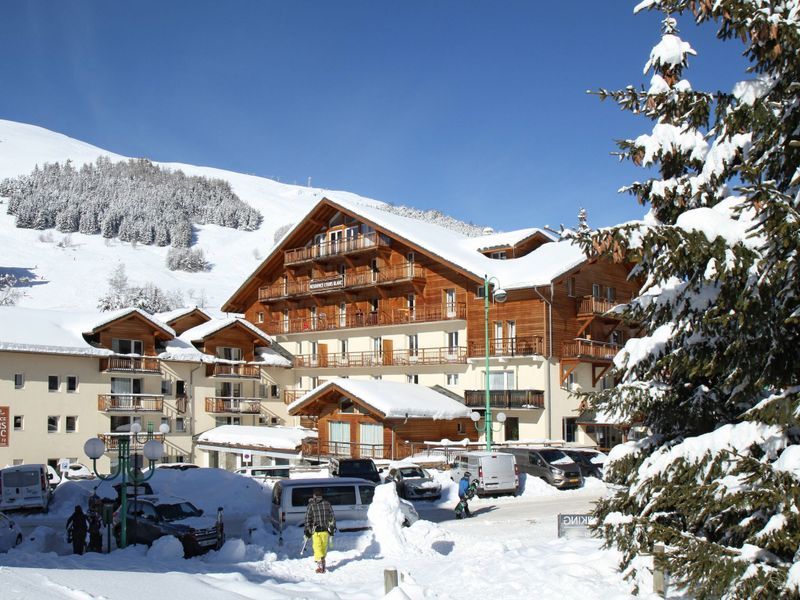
x: 94, y: 448
x: 499, y: 296
x: 487, y: 426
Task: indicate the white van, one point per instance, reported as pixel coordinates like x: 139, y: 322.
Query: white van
x: 24, y: 486
x: 349, y: 497
x: 265, y: 472
x: 496, y: 472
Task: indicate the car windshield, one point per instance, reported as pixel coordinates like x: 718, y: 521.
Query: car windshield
x: 555, y: 457
x: 412, y: 472
x: 357, y: 468
x: 175, y: 512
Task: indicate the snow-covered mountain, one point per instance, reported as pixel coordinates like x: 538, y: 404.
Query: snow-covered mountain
x: 71, y: 271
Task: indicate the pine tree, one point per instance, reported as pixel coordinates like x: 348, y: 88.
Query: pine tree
x: 715, y: 374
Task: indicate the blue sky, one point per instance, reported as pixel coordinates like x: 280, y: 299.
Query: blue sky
x: 475, y: 108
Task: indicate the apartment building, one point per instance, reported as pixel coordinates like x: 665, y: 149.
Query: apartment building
x: 357, y: 292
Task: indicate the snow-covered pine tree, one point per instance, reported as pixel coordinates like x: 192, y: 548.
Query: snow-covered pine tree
x: 715, y: 374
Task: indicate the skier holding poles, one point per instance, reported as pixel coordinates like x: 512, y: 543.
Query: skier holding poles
x: 320, y: 525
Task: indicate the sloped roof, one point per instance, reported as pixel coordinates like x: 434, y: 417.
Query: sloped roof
x: 174, y: 315
x: 505, y: 239
x: 249, y: 436
x: 204, y: 330
x: 392, y: 399
x: 116, y: 315
x: 48, y: 331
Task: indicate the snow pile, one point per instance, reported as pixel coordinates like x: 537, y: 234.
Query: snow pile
x: 386, y: 520
x: 165, y: 548
x: 232, y: 551
x: 273, y: 436
x: 45, y: 539
x: 789, y: 461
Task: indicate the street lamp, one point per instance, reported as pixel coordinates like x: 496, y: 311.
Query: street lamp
x: 487, y: 426
x: 153, y: 450
x: 499, y: 296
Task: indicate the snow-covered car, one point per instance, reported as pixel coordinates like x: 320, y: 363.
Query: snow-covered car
x: 78, y: 471
x: 10, y: 533
x: 588, y: 460
x: 413, y: 482
x: 151, y: 517
x: 178, y: 466
x: 53, y: 478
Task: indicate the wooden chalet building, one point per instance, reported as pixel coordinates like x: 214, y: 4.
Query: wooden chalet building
x: 355, y: 291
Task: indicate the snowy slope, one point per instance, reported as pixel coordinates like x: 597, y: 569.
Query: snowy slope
x: 74, y: 277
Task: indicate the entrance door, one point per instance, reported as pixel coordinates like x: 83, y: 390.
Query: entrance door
x: 339, y: 438
x: 388, y: 352
x: 370, y: 436
x: 323, y: 355
x: 336, y: 241
x: 512, y: 429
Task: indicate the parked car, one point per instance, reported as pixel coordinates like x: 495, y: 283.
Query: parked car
x: 550, y: 464
x: 151, y: 517
x: 24, y: 486
x: 265, y: 472
x: 588, y: 460
x: 349, y: 497
x: 10, y: 533
x: 78, y: 471
x: 496, y: 472
x: 413, y: 482
x: 53, y: 477
x: 363, y: 468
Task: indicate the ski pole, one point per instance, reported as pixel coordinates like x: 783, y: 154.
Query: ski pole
x: 305, y: 543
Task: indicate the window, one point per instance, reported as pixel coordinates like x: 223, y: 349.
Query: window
x: 410, y: 264
x: 53, y: 383
x: 52, y: 424
x: 450, y: 302
x: 17, y: 462
x: 274, y: 391
x: 502, y: 380
x: 121, y: 346
x: 373, y: 305
x: 452, y: 379
x: 460, y: 428
x: 166, y: 387
x: 260, y: 317
x: 571, y: 381
x: 312, y: 317
x: 597, y: 291
x: 19, y: 422
x: 501, y: 255
x: 72, y: 383
x: 285, y: 321
x: 571, y: 287
x: 452, y: 341
x: 412, y: 378
x: 511, y: 334
x: 229, y: 353
x: 374, y: 267
x: 343, y: 348
x: 570, y: 426
x: 616, y: 338
x: 611, y: 294
x: 180, y: 424
x: 19, y: 381
x: 413, y: 346
x: 377, y: 345
x: 180, y: 389
x: 412, y: 305
x: 342, y: 314
x: 72, y: 424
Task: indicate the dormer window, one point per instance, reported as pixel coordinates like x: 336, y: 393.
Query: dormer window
x: 501, y: 255
x: 121, y: 346
x: 228, y: 353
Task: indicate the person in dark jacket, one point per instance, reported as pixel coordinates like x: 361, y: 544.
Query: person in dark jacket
x: 320, y: 525
x: 77, y: 526
x: 466, y: 490
x: 95, y: 532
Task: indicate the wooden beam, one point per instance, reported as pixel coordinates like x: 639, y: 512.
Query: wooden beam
x: 597, y: 376
x: 568, y: 365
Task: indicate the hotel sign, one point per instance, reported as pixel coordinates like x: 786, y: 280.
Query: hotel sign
x: 328, y: 283
x: 4, y: 426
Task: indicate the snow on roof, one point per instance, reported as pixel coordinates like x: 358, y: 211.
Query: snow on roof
x: 202, y: 331
x: 273, y: 436
x: 394, y: 399
x: 271, y: 358
x: 113, y: 315
x: 51, y: 331
x: 508, y: 238
x: 166, y: 317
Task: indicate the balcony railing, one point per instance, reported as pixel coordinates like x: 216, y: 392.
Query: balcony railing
x: 130, y: 403
x: 313, y: 447
x: 590, y: 305
x: 511, y: 346
x: 421, y: 356
x: 233, y: 371
x: 111, y: 440
x: 398, y: 316
x: 290, y: 396
x: 245, y: 406
x: 590, y: 349
x: 334, y: 248
x: 505, y: 398
x: 354, y: 279
x: 130, y: 364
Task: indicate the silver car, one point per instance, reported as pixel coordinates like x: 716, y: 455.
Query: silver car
x: 414, y: 483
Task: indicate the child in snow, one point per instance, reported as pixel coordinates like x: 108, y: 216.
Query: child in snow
x: 466, y: 490
x: 320, y: 525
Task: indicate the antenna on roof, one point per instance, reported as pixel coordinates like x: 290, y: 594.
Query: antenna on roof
x: 583, y: 220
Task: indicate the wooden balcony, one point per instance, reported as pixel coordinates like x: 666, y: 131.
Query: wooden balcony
x: 232, y: 371
x: 313, y: 447
x: 353, y: 360
x: 111, y: 440
x: 591, y: 350
x: 290, y: 396
x: 131, y: 364
x: 335, y: 248
x: 507, y: 399
x: 130, y: 403
x: 591, y: 306
x: 354, y: 279
x: 239, y: 406
x: 398, y: 316
x: 513, y: 346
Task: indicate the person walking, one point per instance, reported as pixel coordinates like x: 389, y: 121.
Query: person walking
x: 76, y: 530
x: 95, y: 532
x: 466, y: 490
x: 320, y: 525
